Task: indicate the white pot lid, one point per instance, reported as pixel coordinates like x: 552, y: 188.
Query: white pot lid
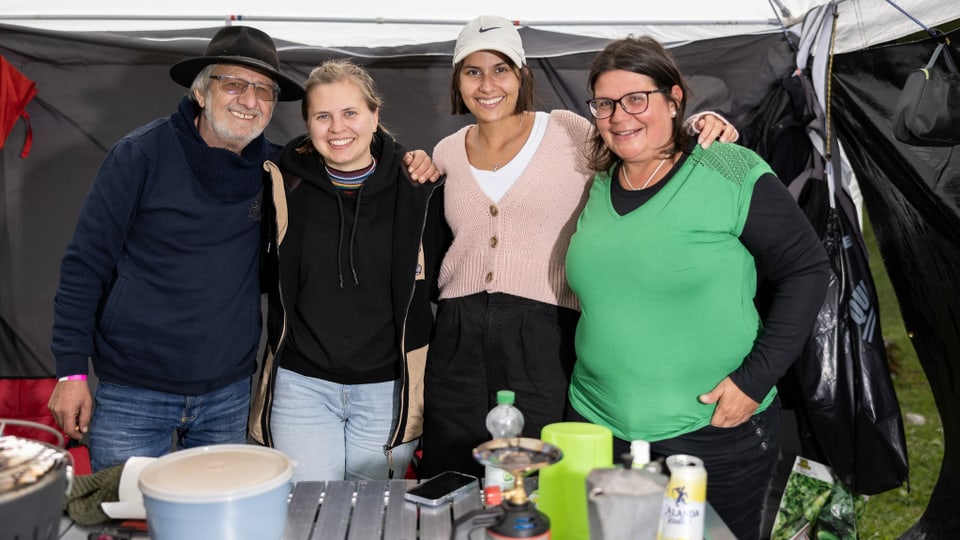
x: 216, y: 473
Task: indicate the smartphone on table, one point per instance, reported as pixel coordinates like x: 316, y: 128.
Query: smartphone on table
x: 442, y: 488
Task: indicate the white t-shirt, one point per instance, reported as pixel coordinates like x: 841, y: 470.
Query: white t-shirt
x: 496, y: 183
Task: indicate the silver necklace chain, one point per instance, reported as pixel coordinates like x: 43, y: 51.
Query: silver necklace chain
x: 496, y: 166
x: 623, y: 170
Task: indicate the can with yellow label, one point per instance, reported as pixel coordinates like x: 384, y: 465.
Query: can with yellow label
x: 684, y: 500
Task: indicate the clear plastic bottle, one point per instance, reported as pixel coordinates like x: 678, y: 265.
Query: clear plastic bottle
x: 503, y: 422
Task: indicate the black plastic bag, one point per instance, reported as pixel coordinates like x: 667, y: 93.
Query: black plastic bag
x: 846, y: 394
x: 928, y: 111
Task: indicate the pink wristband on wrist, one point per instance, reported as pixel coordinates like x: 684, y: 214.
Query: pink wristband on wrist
x: 72, y: 378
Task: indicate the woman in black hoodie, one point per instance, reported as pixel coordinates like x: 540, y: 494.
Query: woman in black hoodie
x: 356, y: 244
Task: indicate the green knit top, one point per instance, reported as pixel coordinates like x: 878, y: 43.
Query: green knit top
x: 666, y: 294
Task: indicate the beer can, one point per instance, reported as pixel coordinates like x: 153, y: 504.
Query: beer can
x: 684, y: 499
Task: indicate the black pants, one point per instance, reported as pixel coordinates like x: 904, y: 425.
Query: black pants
x: 484, y: 343
x: 740, y: 463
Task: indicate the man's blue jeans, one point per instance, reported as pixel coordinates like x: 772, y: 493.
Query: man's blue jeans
x: 130, y: 421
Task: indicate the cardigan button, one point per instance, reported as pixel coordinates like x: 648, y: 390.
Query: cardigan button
x: 489, y: 277
x: 493, y: 210
x: 493, y: 241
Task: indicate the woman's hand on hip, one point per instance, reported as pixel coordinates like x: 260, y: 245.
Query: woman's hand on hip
x: 733, y: 406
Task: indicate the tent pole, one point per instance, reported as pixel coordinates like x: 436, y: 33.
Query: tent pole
x: 374, y: 20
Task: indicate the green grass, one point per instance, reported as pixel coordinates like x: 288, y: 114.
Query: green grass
x: 889, y: 514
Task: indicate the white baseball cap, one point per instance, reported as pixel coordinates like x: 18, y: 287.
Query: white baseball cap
x: 490, y: 33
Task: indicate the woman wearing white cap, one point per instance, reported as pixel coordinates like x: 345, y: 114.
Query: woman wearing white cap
x: 516, y: 183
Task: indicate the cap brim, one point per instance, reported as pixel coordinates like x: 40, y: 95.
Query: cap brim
x: 495, y: 46
x: 184, y: 72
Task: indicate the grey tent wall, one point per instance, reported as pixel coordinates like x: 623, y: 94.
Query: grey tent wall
x: 95, y: 87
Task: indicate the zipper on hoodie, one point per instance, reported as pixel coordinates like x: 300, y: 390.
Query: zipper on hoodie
x: 397, y: 438
x: 272, y: 379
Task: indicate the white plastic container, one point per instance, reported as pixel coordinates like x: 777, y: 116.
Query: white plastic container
x: 234, y: 491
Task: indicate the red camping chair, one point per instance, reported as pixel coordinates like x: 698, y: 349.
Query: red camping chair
x: 26, y: 399
x: 16, y: 90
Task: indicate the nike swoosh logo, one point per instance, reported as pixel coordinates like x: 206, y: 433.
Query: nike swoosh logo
x: 482, y: 30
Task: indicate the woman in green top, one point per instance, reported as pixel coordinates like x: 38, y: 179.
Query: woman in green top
x: 666, y: 259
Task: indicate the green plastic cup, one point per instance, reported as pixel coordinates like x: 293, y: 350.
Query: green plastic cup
x: 562, y: 492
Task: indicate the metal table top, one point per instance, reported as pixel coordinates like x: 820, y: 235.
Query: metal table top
x: 370, y: 510
x: 347, y: 510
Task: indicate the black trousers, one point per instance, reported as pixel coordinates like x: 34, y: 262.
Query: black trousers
x: 740, y: 463
x: 484, y: 343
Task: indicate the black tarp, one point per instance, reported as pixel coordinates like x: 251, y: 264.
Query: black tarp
x: 912, y: 197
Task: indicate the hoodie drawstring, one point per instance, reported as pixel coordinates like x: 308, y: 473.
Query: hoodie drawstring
x: 353, y: 236
x: 340, y: 242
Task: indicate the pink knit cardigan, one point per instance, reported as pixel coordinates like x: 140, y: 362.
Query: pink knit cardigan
x: 518, y: 244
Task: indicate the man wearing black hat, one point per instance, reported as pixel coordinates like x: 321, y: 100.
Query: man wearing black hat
x: 160, y: 284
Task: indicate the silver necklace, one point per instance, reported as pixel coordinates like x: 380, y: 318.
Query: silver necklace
x: 496, y: 166
x: 623, y: 170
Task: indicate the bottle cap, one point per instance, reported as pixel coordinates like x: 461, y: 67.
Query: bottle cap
x: 641, y: 452
x: 505, y: 397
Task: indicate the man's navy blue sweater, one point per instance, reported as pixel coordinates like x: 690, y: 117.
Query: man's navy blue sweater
x: 159, y: 284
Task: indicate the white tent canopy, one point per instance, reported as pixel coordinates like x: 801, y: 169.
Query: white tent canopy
x: 376, y: 23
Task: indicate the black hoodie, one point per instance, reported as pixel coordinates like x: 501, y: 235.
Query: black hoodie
x: 351, y: 283
x: 342, y: 329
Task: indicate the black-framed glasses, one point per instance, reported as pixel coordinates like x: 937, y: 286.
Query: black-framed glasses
x: 236, y: 86
x: 632, y: 103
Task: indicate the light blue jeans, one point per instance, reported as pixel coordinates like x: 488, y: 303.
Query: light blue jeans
x: 130, y: 421
x: 337, y: 431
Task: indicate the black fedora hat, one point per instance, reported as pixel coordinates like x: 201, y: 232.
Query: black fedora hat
x: 245, y: 46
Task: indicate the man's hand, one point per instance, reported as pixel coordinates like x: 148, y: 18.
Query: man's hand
x: 420, y: 166
x: 733, y: 406
x: 71, y: 405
